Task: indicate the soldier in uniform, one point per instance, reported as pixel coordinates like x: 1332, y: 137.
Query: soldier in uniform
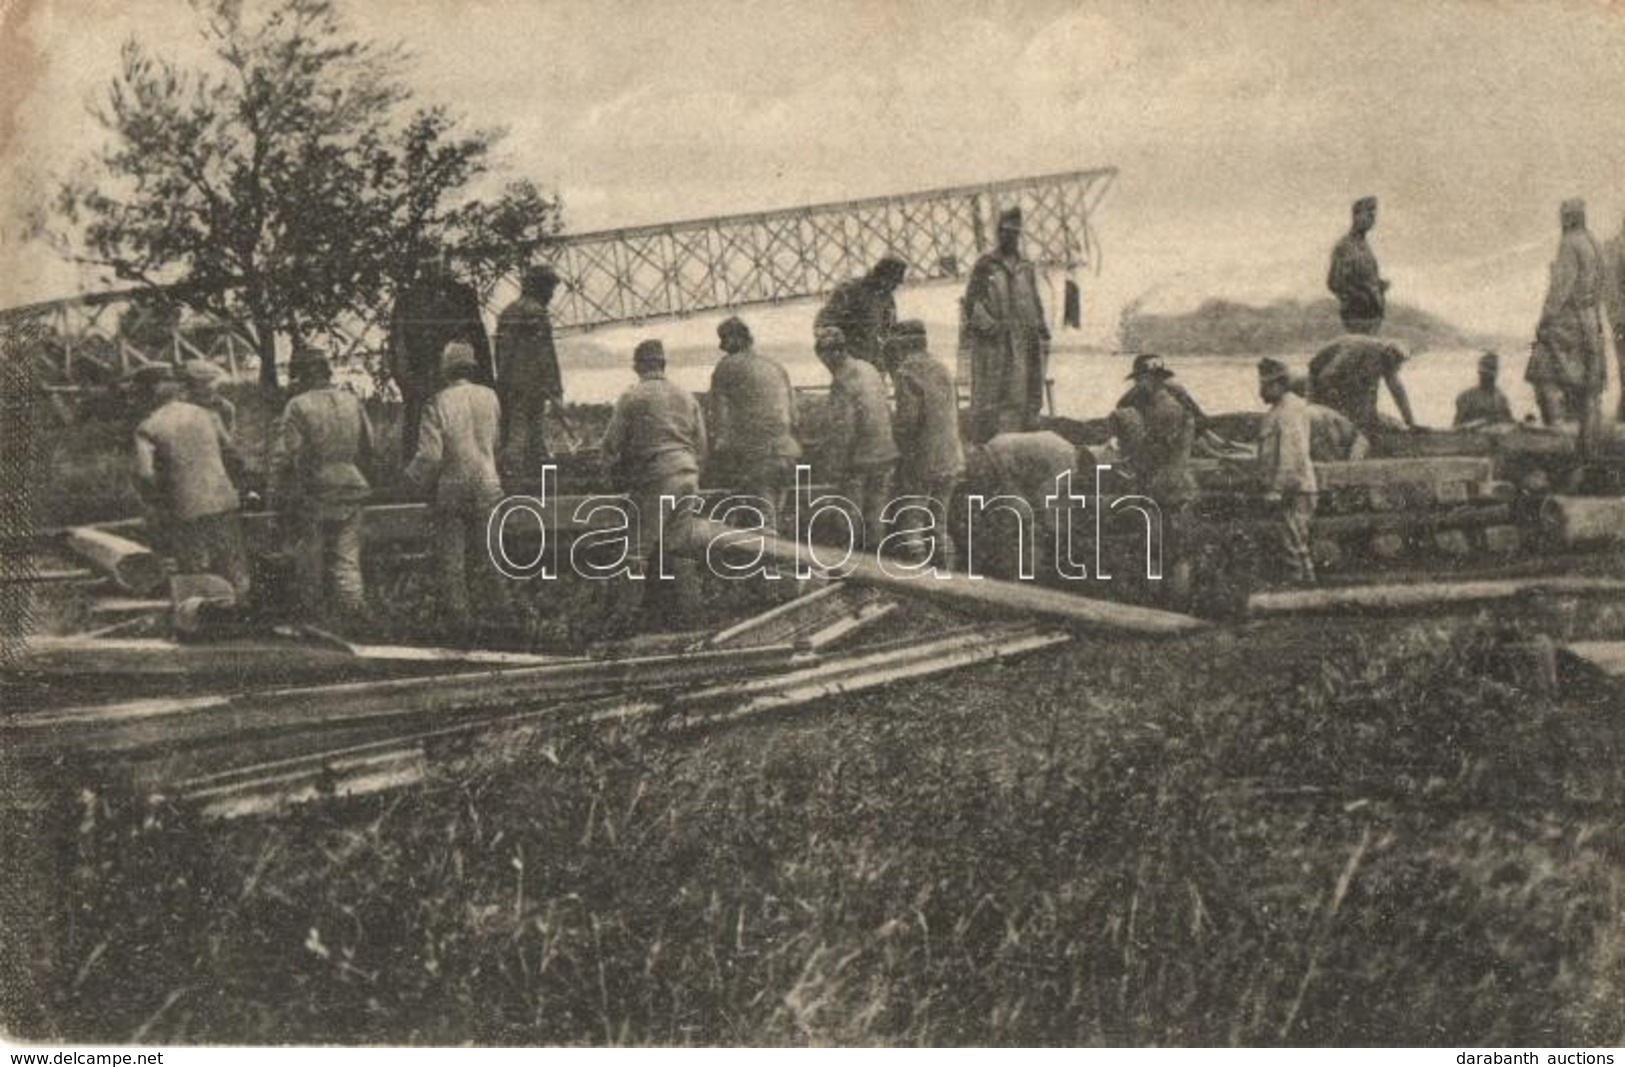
x: 456, y: 466
x: 322, y: 446
x: 1332, y: 437
x: 1156, y: 429
x: 435, y: 310
x: 185, y: 463
x: 656, y: 443
x: 1484, y: 404
x: 753, y: 421
x: 865, y: 310
x: 1361, y: 291
x: 1344, y: 376
x: 1567, y: 365
x: 528, y: 377
x: 201, y: 377
x: 859, y: 451
x: 1285, y: 467
x: 1008, y: 337
x: 926, y: 429
x: 1023, y: 468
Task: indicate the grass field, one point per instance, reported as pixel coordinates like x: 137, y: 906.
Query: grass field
x: 1371, y: 842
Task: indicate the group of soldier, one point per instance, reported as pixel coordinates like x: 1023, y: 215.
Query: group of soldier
x: 473, y: 425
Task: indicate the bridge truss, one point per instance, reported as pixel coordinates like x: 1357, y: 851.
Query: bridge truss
x: 649, y: 273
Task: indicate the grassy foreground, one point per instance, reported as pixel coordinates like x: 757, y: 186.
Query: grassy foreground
x: 1283, y: 834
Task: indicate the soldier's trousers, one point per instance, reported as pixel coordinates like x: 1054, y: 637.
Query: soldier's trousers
x: 213, y: 544
x: 1297, y: 512
x: 869, y: 492
x: 459, y: 535
x: 524, y: 440
x: 328, y: 560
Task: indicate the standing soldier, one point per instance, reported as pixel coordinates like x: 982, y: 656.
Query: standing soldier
x: 184, y: 462
x: 201, y: 377
x: 1362, y: 293
x: 1484, y: 404
x: 323, y: 444
x: 528, y: 377
x: 1009, y: 340
x: 1567, y: 365
x: 1613, y: 273
x: 859, y: 451
x: 1156, y: 428
x: 1285, y: 467
x: 456, y: 464
x: 655, y: 445
x: 753, y: 421
x: 926, y: 429
x: 865, y: 310
x: 434, y: 311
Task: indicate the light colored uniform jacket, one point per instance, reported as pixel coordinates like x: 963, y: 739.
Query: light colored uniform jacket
x: 457, y: 449
x: 1569, y: 345
x: 927, y: 426
x: 181, y: 452
x: 1283, y: 448
x: 860, y: 437
x: 656, y: 431
x: 753, y: 409
x: 322, y: 440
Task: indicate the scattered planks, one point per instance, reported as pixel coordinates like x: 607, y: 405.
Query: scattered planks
x: 814, y: 621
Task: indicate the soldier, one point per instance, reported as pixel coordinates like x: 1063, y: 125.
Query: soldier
x: 926, y: 428
x: 1156, y: 429
x: 1021, y: 467
x: 1285, y: 467
x: 865, y: 310
x: 655, y: 445
x: 1567, y: 364
x: 528, y: 377
x: 456, y: 465
x: 1484, y: 404
x: 435, y: 310
x: 185, y: 463
x: 1613, y: 272
x: 753, y: 421
x: 1007, y: 336
x: 1345, y: 374
x: 201, y: 377
x: 322, y: 447
x: 1354, y: 279
x: 859, y: 451
x: 1332, y: 438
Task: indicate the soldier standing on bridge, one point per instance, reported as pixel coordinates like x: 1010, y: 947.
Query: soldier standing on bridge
x: 528, y: 377
x: 1009, y: 339
x: 456, y: 464
x: 435, y: 310
x: 322, y: 445
x: 1285, y: 467
x: 865, y: 310
x: 1362, y: 293
x: 184, y: 463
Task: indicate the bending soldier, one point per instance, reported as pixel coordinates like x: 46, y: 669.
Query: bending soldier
x: 865, y: 310
x: 1344, y: 376
x: 1157, y: 441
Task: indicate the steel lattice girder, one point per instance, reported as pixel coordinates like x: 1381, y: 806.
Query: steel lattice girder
x: 674, y: 270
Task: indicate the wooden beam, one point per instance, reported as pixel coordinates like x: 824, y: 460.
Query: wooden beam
x: 1418, y: 596
x: 133, y: 567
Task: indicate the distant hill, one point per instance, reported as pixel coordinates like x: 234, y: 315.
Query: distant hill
x: 1225, y: 328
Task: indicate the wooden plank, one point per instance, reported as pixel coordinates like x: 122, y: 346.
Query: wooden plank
x: 1419, y: 596
x: 985, y: 595
x: 1432, y: 470
x: 1607, y: 657
x: 135, y: 568
x: 1582, y: 520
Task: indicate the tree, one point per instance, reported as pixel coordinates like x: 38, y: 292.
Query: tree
x: 288, y: 184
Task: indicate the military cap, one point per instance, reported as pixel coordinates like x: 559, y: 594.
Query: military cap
x: 1146, y: 363
x: 1365, y: 203
x: 200, y: 371
x: 456, y: 354
x: 1010, y: 218
x: 650, y: 352
x: 1490, y: 361
x: 1273, y: 370
x: 828, y: 337
x: 733, y: 326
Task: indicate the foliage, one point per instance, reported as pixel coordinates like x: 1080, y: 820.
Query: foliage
x: 285, y: 182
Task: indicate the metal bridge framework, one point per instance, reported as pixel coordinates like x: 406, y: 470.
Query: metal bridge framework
x: 673, y: 270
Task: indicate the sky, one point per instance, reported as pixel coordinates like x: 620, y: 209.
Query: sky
x: 1242, y: 128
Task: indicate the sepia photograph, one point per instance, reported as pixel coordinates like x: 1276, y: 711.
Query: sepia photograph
x: 773, y: 523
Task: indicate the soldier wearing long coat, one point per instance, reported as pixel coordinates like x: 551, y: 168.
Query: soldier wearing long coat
x: 1007, y: 336
x: 1567, y: 365
x: 435, y: 311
